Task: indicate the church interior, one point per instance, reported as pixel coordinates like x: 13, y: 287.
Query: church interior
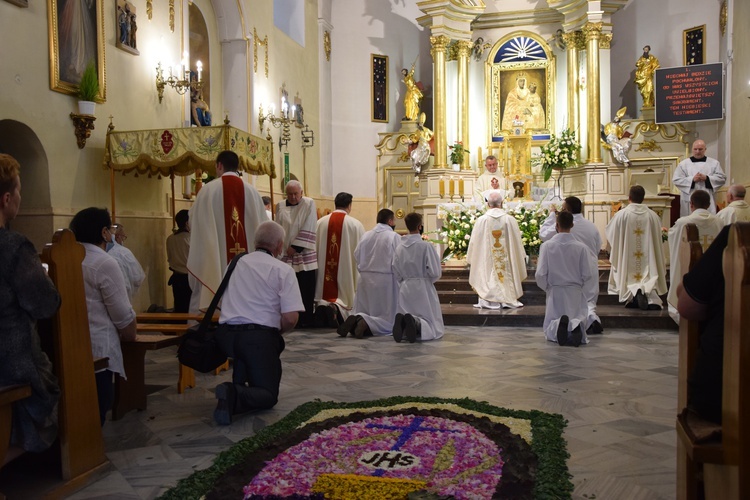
x: 322, y: 89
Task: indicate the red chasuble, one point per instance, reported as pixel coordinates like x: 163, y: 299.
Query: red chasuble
x: 234, y: 215
x: 333, y: 249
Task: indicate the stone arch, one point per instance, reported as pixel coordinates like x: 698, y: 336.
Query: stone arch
x: 19, y: 140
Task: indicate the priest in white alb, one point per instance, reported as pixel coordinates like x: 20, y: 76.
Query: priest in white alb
x: 737, y: 209
x: 563, y: 272
x: 299, y: 218
x: 223, y: 221
x: 496, y: 257
x: 698, y: 172
x: 492, y: 179
x: 637, y: 274
x: 708, y: 224
x: 376, y: 299
x: 337, y: 236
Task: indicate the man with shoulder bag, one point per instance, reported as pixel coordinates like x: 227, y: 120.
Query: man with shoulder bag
x: 262, y: 301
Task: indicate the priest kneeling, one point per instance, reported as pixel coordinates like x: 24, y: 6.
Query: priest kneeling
x: 496, y: 257
x: 563, y: 271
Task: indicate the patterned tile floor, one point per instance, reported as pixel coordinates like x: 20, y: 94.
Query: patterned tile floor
x: 618, y: 394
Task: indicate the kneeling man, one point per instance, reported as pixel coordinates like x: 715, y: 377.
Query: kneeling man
x: 563, y: 272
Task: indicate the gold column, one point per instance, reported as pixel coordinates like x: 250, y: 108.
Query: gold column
x: 439, y: 44
x: 573, y: 42
x: 464, y: 50
x: 592, y: 32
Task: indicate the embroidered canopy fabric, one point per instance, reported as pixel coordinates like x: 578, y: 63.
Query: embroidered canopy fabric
x: 181, y: 151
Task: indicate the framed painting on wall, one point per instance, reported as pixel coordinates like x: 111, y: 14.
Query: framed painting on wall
x: 76, y: 36
x: 20, y: 3
x: 379, y: 87
x: 126, y: 27
x: 693, y: 45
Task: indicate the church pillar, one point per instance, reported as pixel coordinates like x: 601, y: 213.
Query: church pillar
x: 464, y: 50
x: 593, y: 32
x: 573, y: 42
x: 439, y: 44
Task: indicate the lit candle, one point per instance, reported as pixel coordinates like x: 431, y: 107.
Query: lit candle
x: 441, y: 186
x: 199, y: 66
x: 461, y: 187
x: 452, y: 186
x: 170, y: 71
x: 294, y: 110
x: 184, y: 62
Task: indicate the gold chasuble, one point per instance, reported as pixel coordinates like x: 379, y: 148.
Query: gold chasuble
x: 234, y: 215
x: 333, y: 250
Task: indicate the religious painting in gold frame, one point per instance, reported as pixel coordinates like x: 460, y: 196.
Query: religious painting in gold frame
x: 520, y: 83
x: 694, y: 45
x: 76, y: 36
x: 379, y: 88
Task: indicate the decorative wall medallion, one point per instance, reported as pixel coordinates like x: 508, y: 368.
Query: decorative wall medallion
x: 400, y: 213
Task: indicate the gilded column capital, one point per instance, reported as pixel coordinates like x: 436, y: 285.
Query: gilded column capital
x: 574, y: 40
x: 592, y: 31
x: 439, y: 43
x: 605, y: 41
x: 463, y: 47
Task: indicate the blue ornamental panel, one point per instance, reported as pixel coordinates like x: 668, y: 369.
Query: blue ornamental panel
x: 520, y: 49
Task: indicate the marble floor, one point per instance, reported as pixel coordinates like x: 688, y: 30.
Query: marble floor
x: 618, y: 393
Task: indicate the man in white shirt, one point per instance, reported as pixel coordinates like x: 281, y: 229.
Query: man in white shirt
x: 129, y: 265
x: 638, y: 274
x: 223, y: 220
x: 261, y: 301
x: 496, y: 258
x: 416, y: 266
x: 698, y: 172
x: 587, y: 233
x: 563, y: 271
x: 708, y: 225
x: 337, y: 236
x: 737, y: 209
x: 492, y: 179
x: 376, y: 298
x: 299, y: 217
x: 111, y: 317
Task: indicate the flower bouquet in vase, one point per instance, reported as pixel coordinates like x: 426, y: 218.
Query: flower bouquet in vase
x: 561, y: 152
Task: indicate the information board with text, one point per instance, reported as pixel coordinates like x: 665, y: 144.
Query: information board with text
x: 689, y: 93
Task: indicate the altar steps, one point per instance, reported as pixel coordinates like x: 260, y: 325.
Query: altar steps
x: 457, y: 299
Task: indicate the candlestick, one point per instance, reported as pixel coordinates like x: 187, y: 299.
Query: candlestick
x: 452, y: 187
x: 441, y: 186
x: 461, y: 187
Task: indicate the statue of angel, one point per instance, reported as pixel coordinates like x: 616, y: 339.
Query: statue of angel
x: 617, y: 139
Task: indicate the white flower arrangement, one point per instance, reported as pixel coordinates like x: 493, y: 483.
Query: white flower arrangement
x: 560, y: 152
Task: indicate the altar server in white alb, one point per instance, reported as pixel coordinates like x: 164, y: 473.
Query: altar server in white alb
x: 337, y: 236
x: 698, y: 172
x: 587, y: 233
x: 709, y: 225
x: 416, y: 265
x: 376, y: 299
x: 496, y: 258
x: 564, y: 271
x: 638, y: 273
x: 737, y: 209
x: 223, y: 220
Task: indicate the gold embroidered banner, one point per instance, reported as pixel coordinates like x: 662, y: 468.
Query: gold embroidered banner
x: 183, y: 150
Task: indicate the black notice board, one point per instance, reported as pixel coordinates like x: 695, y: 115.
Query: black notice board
x: 689, y: 93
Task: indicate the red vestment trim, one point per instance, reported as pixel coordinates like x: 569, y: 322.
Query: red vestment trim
x: 333, y: 250
x: 234, y: 215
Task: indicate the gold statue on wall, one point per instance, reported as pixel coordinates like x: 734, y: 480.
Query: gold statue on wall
x: 644, y: 76
x: 617, y: 139
x: 413, y: 95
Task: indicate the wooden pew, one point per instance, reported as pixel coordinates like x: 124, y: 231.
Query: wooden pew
x: 9, y: 395
x: 725, y: 460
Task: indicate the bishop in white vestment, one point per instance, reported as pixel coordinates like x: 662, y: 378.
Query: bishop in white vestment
x: 496, y: 258
x: 376, y: 300
x: 563, y: 271
x: 708, y: 225
x: 337, y: 236
x: 737, y: 209
x: 416, y: 265
x: 223, y: 221
x: 636, y: 255
x: 587, y: 233
x: 698, y: 172
x: 491, y: 179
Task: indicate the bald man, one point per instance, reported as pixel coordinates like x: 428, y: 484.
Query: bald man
x: 698, y: 172
x: 737, y: 209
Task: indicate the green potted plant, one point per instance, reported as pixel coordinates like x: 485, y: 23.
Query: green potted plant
x: 88, y: 90
x: 457, y: 154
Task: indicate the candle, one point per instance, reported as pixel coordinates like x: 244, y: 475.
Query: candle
x: 441, y: 186
x: 294, y: 111
x: 452, y: 186
x: 199, y: 65
x: 461, y: 187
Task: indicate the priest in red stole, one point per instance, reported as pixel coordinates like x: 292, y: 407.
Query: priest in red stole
x: 223, y: 220
x: 337, y: 236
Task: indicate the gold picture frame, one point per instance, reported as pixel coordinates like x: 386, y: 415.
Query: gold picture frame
x: 379, y: 88
x: 70, y: 21
x: 694, y: 45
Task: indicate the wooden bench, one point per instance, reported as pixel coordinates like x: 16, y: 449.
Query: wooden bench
x: 9, y: 395
x: 723, y: 462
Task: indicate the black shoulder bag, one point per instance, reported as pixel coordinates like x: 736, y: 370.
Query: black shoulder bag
x: 199, y: 349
